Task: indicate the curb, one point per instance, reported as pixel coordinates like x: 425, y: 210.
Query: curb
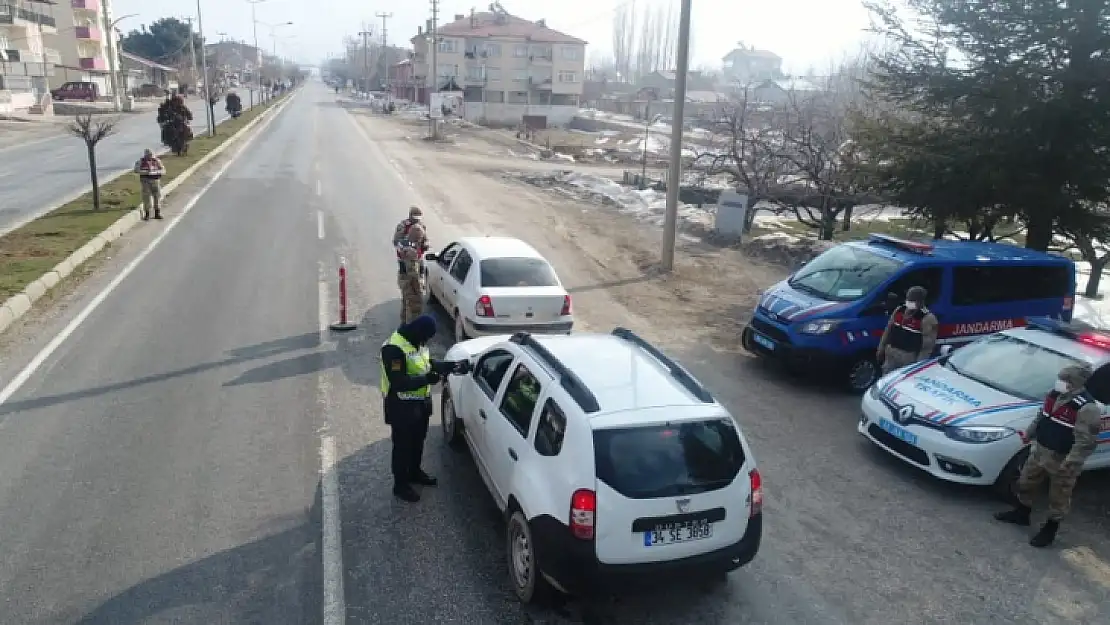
x: 20, y: 304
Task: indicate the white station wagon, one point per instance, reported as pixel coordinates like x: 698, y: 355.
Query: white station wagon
x: 608, y: 459
x: 498, y: 285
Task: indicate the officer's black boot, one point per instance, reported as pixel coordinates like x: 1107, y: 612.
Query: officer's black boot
x: 146, y: 215
x: 406, y: 492
x: 157, y: 214
x: 1046, y: 535
x: 1017, y: 516
x: 423, y: 479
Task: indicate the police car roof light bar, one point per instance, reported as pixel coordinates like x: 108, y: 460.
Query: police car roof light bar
x: 1094, y: 340
x: 903, y: 244
x: 570, y: 382
x: 1077, y: 330
x: 677, y: 371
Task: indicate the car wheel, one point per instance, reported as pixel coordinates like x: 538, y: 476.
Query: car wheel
x: 460, y: 327
x: 863, y: 372
x: 452, y: 425
x: 1007, y: 479
x: 524, y: 573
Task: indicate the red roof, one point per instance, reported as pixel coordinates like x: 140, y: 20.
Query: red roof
x: 487, y: 25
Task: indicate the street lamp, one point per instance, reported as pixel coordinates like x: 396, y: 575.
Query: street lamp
x: 113, y: 53
x: 273, y: 37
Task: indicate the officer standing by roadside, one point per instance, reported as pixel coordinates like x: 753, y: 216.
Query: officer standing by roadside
x: 150, y: 171
x: 411, y: 284
x: 1064, y: 434
x: 407, y: 375
x: 911, y: 333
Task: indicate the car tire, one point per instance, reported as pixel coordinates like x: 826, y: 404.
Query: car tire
x: 1007, y: 479
x: 452, y: 425
x: 746, y: 340
x: 862, y: 373
x: 460, y: 327
x: 527, y: 581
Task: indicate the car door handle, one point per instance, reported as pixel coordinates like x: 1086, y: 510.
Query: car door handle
x: 512, y: 454
x: 482, y: 414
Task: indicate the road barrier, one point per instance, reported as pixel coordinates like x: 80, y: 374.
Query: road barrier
x: 344, y: 325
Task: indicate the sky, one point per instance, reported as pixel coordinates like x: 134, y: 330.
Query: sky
x: 806, y: 33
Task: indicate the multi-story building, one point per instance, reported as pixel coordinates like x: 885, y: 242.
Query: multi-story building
x: 84, y: 44
x: 509, y: 70
x: 746, y: 65
x: 26, y: 61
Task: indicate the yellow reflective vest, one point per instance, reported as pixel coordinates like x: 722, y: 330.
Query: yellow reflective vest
x: 418, y: 362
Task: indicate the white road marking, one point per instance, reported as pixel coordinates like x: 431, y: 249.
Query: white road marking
x: 25, y: 144
x: 335, y: 607
x: 21, y: 378
x: 320, y: 224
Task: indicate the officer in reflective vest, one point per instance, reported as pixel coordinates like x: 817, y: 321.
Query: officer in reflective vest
x: 911, y: 333
x: 407, y: 375
x: 1064, y: 434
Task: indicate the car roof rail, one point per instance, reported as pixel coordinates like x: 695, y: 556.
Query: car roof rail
x: 677, y: 371
x: 570, y: 382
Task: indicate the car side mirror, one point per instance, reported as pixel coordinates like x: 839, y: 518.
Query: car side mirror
x: 432, y: 256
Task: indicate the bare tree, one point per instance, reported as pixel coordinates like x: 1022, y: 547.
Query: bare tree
x: 92, y: 130
x: 1089, y: 242
x: 646, y: 43
x: 623, y: 38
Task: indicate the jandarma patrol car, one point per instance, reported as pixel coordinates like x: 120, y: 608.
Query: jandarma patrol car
x: 963, y: 416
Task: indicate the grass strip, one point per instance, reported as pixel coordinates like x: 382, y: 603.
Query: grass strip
x: 28, y: 253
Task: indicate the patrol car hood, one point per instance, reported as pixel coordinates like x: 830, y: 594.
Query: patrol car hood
x: 947, y: 398
x: 783, y: 303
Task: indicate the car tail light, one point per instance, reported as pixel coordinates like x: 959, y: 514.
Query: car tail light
x: 484, y: 306
x: 757, y: 492
x: 566, y: 306
x: 583, y: 514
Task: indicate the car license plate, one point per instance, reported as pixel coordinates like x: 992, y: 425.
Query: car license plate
x: 898, y: 431
x: 684, y: 532
x: 763, y: 341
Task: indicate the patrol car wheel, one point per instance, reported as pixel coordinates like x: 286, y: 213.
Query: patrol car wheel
x: 1007, y: 480
x: 452, y: 427
x: 862, y: 374
x: 524, y: 573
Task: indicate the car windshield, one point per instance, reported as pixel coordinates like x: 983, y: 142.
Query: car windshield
x: 1010, y: 365
x: 844, y: 274
x: 517, y: 272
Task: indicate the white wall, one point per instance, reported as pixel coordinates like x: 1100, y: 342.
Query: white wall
x: 514, y: 113
x: 13, y: 101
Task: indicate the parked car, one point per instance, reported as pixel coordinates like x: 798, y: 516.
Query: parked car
x: 150, y: 91
x: 77, y: 90
x: 610, y: 462
x: 964, y: 417
x: 828, y: 316
x: 498, y: 285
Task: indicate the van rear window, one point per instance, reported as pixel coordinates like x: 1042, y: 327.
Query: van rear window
x: 973, y: 286
x: 668, y: 460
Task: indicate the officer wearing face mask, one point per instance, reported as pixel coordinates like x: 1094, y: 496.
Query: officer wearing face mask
x: 911, y: 333
x: 1064, y: 434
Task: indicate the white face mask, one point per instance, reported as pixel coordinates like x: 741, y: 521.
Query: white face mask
x: 1061, y: 386
x: 911, y: 305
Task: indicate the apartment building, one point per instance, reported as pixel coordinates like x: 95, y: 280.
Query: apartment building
x: 84, y: 45
x: 26, y: 61
x: 746, y: 65
x: 510, y: 70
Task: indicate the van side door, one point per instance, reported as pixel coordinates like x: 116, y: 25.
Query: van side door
x: 990, y: 298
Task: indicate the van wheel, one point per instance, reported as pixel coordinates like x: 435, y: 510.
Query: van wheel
x: 524, y: 572
x: 452, y: 425
x: 862, y: 373
x: 1007, y: 479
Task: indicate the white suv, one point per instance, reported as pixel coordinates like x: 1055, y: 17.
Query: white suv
x: 609, y: 460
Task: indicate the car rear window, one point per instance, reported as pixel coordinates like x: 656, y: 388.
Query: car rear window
x: 501, y: 272
x: 668, y: 460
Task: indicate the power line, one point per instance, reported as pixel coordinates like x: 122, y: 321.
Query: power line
x: 385, y: 40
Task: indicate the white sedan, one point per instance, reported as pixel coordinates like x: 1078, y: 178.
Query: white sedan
x: 498, y: 285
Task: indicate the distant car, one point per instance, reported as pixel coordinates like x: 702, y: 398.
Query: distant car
x: 498, y: 285
x: 964, y: 417
x: 150, y: 91
x: 609, y: 461
x: 76, y: 90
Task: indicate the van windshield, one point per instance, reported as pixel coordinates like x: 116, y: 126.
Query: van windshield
x: 844, y: 274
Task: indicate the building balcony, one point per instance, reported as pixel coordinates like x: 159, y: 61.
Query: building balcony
x: 542, y: 84
x: 87, y: 33
x: 19, y: 16
x: 93, y: 63
x: 92, y: 6
x: 52, y: 56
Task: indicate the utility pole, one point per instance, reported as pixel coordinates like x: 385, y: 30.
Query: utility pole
x: 257, y: 52
x: 385, y: 42
x: 193, y: 52
x: 207, y: 83
x: 109, y: 32
x: 674, y: 175
x: 435, y: 67
x: 365, y: 60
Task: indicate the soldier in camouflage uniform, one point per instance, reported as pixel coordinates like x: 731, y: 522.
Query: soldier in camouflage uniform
x: 410, y: 278
x: 1064, y: 434
x: 911, y: 333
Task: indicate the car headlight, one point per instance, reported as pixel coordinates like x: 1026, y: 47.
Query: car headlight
x: 818, y: 327
x: 979, y: 433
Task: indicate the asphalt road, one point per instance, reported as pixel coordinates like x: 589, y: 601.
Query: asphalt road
x: 202, y: 450
x: 42, y: 173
